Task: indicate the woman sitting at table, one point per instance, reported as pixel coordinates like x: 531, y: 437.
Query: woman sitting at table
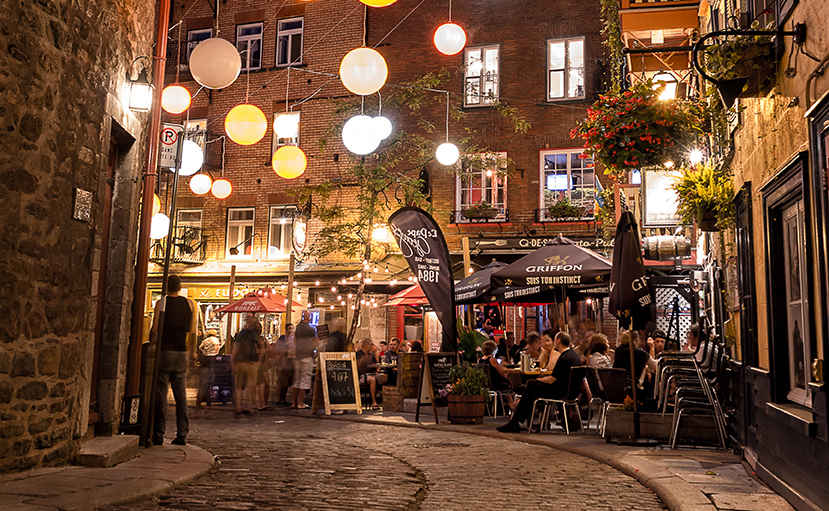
x: 499, y: 381
x: 366, y: 365
x: 549, y: 356
x: 599, y: 348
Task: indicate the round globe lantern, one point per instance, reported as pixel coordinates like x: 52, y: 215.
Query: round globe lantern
x: 286, y: 125
x: 221, y: 188
x: 215, y: 63
x: 378, y: 3
x: 200, y: 184
x: 156, y: 204
x: 360, y: 135
x: 246, y: 124
x: 450, y: 38
x: 447, y: 153
x: 382, y: 127
x: 363, y: 71
x: 192, y: 158
x: 159, y: 226
x: 289, y: 162
x: 175, y: 99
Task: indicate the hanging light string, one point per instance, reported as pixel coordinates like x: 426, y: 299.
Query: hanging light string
x: 400, y: 23
x: 379, y: 103
x: 287, y: 88
x: 178, y: 63
x: 450, y: 11
x: 447, y: 116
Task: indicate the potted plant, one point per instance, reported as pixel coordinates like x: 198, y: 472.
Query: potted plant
x: 744, y: 56
x: 705, y: 194
x: 468, y: 395
x: 481, y: 210
x: 635, y: 129
x: 469, y: 342
x: 565, y: 209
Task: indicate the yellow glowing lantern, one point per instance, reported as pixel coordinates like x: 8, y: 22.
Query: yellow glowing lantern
x: 450, y: 38
x: 246, y: 124
x: 156, y: 204
x: 378, y: 3
x: 221, y: 188
x: 175, y: 99
x: 363, y: 71
x: 289, y: 162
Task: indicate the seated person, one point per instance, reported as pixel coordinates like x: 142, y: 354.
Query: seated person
x: 416, y: 347
x: 367, y: 356
x: 549, y: 356
x: 658, y: 342
x: 533, y: 348
x: 390, y: 357
x: 598, y: 352
x: 507, y: 349
x: 641, y: 359
x: 499, y: 381
x: 552, y: 387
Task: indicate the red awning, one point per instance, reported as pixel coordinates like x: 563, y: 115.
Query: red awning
x: 253, y: 302
x: 410, y: 296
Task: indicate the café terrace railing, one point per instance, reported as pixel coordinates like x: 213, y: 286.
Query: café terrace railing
x: 189, y: 247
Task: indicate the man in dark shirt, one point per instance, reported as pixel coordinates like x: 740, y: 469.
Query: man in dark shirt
x: 622, y: 358
x: 173, y: 359
x: 508, y: 350
x: 390, y: 357
x: 551, y: 387
x: 306, y: 344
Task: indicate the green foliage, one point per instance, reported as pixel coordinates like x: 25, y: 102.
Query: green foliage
x: 469, y: 380
x: 481, y: 209
x: 612, y: 32
x: 725, y: 60
x: 469, y: 341
x: 607, y: 213
x: 705, y: 188
x: 565, y: 209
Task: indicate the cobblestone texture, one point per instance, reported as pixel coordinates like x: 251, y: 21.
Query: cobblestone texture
x: 277, y: 461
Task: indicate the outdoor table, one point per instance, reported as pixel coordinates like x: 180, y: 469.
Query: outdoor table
x: 519, y: 377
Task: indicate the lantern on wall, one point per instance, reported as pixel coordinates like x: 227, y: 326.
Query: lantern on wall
x: 175, y: 99
x: 360, y: 135
x: 246, y: 124
x: 192, y: 158
x: 159, y: 226
x: 447, y: 153
x: 363, y: 71
x: 450, y: 38
x: 200, y: 184
x: 215, y: 63
x: 289, y: 162
x: 221, y: 188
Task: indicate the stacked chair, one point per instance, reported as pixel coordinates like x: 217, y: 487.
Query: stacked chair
x: 613, y: 389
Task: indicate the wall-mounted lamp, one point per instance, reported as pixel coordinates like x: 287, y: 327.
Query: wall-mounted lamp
x: 235, y: 250
x: 141, y: 90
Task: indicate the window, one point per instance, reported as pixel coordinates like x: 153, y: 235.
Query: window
x: 567, y: 174
x: 480, y: 75
x: 479, y: 183
x: 291, y: 138
x: 194, y: 37
x: 281, y: 231
x: 565, y: 68
x: 249, y: 44
x: 240, y: 233
x: 289, y: 41
x: 196, y: 130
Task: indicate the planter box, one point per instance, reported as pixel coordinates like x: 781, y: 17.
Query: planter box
x: 692, y: 429
x: 466, y: 409
x: 392, y: 399
x: 479, y: 213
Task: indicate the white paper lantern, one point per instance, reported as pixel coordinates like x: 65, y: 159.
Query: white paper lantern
x: 382, y: 127
x: 360, y: 135
x: 246, y: 124
x: 215, y: 63
x: 286, y: 125
x: 450, y: 38
x: 200, y: 184
x: 192, y: 158
x: 159, y: 226
x: 221, y: 188
x: 363, y: 71
x: 447, y: 153
x: 175, y: 99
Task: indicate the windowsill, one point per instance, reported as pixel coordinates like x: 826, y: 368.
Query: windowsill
x: 799, y: 418
x: 565, y: 222
x: 286, y: 66
x: 481, y: 224
x: 480, y: 106
x: 559, y: 100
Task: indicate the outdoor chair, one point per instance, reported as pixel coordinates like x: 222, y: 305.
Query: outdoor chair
x: 703, y: 402
x: 613, y: 386
x: 574, y: 387
x: 597, y: 393
x: 496, y: 396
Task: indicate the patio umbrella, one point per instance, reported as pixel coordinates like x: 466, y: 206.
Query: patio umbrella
x: 473, y: 288
x: 412, y: 295
x: 253, y: 302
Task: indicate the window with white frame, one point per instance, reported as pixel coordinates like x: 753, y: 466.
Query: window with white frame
x: 567, y: 174
x: 482, y: 184
x: 194, y: 37
x: 249, y: 44
x: 565, y: 68
x: 196, y: 130
x: 188, y: 230
x: 480, y: 75
x: 240, y: 233
x: 289, y: 134
x: 289, y: 41
x: 280, y: 231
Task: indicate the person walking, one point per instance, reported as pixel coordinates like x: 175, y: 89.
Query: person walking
x: 284, y: 365
x: 247, y: 354
x: 306, y: 343
x: 173, y: 359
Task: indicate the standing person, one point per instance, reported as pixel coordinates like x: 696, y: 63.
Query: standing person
x: 173, y: 359
x: 206, y: 353
x: 284, y: 365
x: 247, y: 353
x: 306, y: 343
x: 336, y: 338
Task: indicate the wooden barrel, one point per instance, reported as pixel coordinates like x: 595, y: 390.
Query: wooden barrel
x: 466, y: 409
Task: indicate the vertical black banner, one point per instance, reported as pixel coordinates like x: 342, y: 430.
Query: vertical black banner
x: 631, y: 296
x: 422, y: 243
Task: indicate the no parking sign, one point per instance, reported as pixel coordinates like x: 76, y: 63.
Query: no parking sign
x: 170, y: 136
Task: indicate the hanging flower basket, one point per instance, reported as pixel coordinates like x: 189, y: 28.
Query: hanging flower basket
x: 705, y: 194
x: 707, y: 220
x: 635, y: 129
x: 480, y: 211
x: 744, y: 56
x: 564, y: 209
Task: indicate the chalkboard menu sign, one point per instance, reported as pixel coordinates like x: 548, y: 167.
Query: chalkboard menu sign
x: 337, y: 386
x: 222, y: 389
x: 434, y: 376
x: 322, y: 332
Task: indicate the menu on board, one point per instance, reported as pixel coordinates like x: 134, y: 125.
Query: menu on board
x: 434, y: 376
x: 222, y: 389
x: 337, y: 386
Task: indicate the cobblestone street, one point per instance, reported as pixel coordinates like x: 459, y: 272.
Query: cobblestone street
x: 274, y: 460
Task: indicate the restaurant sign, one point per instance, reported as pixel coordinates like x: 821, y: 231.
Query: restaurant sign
x: 534, y: 242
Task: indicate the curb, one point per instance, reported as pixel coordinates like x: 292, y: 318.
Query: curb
x: 676, y: 493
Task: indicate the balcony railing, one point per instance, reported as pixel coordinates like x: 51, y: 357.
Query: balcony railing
x: 464, y: 216
x: 189, y: 247
x: 542, y: 216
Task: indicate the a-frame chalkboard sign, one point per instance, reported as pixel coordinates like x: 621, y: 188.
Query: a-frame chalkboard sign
x: 434, y: 375
x: 337, y: 385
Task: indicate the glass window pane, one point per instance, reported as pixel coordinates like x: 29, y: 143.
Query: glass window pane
x: 473, y: 91
x: 556, y: 84
x: 576, y: 54
x: 282, y: 50
x: 290, y: 24
x: 492, y: 60
x: 557, y: 55
x: 296, y: 47
x: 474, y: 64
x: 575, y: 87
x: 561, y: 161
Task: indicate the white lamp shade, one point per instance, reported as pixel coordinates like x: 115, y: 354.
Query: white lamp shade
x: 289, y: 162
x: 382, y: 127
x: 363, y: 71
x: 215, y: 63
x: 156, y: 204
x: 159, y: 226
x: 378, y: 3
x: 141, y: 96
x: 450, y: 38
x: 286, y: 125
x: 246, y: 124
x: 192, y: 158
x: 221, y: 188
x: 175, y: 99
x: 447, y: 153
x: 200, y: 184
x: 360, y: 135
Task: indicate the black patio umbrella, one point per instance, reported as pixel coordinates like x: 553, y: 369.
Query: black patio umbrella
x: 475, y: 286
x: 631, y: 296
x: 560, y: 263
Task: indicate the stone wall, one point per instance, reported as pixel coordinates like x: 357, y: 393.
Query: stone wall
x: 63, y: 71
